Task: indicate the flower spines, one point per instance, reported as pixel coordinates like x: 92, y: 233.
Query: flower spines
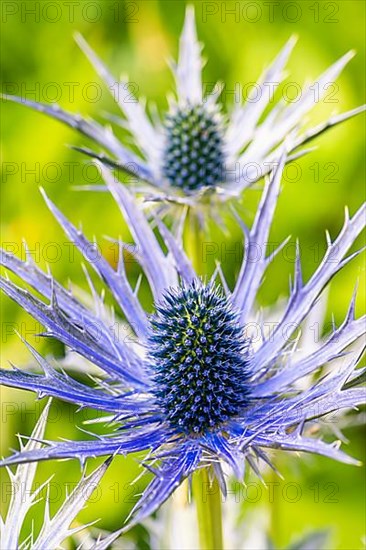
x: 194, y: 148
x: 199, y: 359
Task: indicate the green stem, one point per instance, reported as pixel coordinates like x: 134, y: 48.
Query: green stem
x: 194, y: 242
x: 275, y: 525
x: 207, y: 497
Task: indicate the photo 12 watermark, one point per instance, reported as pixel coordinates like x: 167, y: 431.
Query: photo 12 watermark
x: 270, y: 12
x: 72, y: 11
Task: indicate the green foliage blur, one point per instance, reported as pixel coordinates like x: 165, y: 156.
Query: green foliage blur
x: 40, y: 60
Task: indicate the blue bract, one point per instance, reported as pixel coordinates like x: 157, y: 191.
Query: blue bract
x: 192, y: 388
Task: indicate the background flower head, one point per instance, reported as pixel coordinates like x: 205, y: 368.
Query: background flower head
x: 195, y: 153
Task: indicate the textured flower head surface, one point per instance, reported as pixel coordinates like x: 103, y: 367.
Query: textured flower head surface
x: 192, y: 390
x: 195, y: 153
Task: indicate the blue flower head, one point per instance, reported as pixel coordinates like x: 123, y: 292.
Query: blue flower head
x: 197, y: 354
x: 195, y: 153
x: 194, y: 389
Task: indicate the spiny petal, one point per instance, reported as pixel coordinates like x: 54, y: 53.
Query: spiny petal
x: 45, y: 284
x: 347, y: 333
x: 99, y: 134
x: 157, y: 266
x: 118, y: 285
x: 57, y: 529
x: 78, y: 338
x: 189, y: 66
x: 138, y: 440
x: 168, y: 477
x: 60, y: 385
x: 303, y: 297
x: 251, y: 272
x: 245, y: 118
x: 22, y: 498
x: 146, y: 136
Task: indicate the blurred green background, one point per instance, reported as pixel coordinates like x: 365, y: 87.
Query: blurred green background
x: 137, y: 38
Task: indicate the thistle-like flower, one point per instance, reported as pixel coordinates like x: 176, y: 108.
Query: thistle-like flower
x: 196, y: 154
x: 192, y: 389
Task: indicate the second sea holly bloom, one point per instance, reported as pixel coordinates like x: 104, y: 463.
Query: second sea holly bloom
x: 195, y: 153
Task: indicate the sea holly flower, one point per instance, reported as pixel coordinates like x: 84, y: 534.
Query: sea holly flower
x: 192, y: 389
x: 195, y: 153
